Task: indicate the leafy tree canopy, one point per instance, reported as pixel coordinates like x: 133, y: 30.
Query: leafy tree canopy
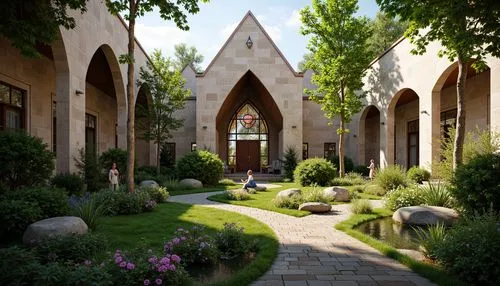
x: 185, y: 55
x: 302, y: 65
x: 27, y: 23
x: 386, y: 30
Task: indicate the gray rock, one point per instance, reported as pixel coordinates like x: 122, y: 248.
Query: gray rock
x: 289, y: 192
x: 315, y: 207
x: 192, y: 183
x: 336, y: 194
x: 425, y: 215
x: 56, y: 226
x: 260, y: 188
x: 149, y: 183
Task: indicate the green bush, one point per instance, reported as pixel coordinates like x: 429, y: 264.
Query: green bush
x: 201, y: 165
x: 350, y: 179
x: 108, y: 200
x: 24, y: 160
x: 18, y: 266
x: 374, y: 189
x: 237, y: 195
x: 15, y: 216
x: 418, y: 175
x: 117, y: 156
x: 348, y: 163
x: 315, y: 195
x: 74, y: 248
x: 174, y: 185
x: 314, y: 171
x: 290, y: 162
x: 159, y: 195
x: 72, y: 183
x: 362, y: 169
x: 471, y: 250
x: 227, y: 182
x: 361, y: 206
x: 231, y: 241
x: 476, y: 185
x: 132, y: 203
x: 88, y: 164
x: 437, y: 195
x: 391, y: 177
x: 403, y: 197
x: 430, y: 238
x: 292, y: 202
x: 52, y: 202
x: 89, y: 210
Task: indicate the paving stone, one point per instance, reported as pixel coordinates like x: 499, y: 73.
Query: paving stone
x: 318, y: 283
x: 296, y: 283
x: 295, y: 277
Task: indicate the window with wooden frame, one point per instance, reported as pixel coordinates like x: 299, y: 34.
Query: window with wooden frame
x: 329, y: 150
x: 305, y: 151
x: 12, y: 107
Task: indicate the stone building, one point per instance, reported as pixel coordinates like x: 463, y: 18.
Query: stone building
x: 248, y: 105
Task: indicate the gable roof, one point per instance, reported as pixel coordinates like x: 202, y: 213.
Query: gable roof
x: 249, y: 14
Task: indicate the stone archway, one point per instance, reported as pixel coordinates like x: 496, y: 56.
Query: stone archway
x: 143, y: 149
x: 369, y: 136
x: 403, y: 136
x: 251, y: 94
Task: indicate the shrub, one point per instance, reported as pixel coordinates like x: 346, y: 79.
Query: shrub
x: 175, y: 186
x: 374, y: 189
x: 350, y: 179
x: 314, y: 171
x: 72, y: 183
x: 74, y: 248
x: 24, y: 160
x: 437, y: 195
x: 18, y: 266
x: 362, y: 169
x: 361, y: 207
x: 391, y: 178
x: 88, y: 209
x: 108, y: 200
x: 15, y: 216
x: 290, y: 162
x: 117, y: 156
x: 471, y: 249
x: 159, y: 195
x: 430, y: 239
x: 476, y: 185
x: 90, y: 170
x: 227, y: 182
x: 132, y: 203
x: 418, y: 175
x: 348, y: 163
x: 201, y: 165
x: 237, y: 195
x: 149, y: 206
x: 193, y: 245
x: 315, y: 195
x: 403, y: 197
x: 231, y: 241
x: 292, y: 202
x: 52, y: 202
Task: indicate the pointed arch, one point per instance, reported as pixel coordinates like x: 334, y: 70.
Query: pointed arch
x: 369, y: 135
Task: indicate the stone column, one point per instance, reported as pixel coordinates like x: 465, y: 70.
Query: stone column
x: 428, y: 118
x: 386, y: 138
x: 494, y: 65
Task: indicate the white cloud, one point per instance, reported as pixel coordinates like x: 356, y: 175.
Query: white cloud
x: 261, y: 18
x: 160, y: 37
x: 273, y: 31
x: 294, y: 19
x: 228, y: 30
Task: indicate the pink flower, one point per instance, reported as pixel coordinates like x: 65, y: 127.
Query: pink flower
x: 158, y: 281
x: 123, y: 264
x: 130, y: 266
x: 118, y: 259
x: 176, y: 258
x: 147, y: 282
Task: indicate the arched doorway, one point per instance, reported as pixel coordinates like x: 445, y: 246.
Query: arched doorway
x: 369, y: 136
x: 142, y: 107
x: 248, y: 139
x: 249, y: 124
x: 403, y: 128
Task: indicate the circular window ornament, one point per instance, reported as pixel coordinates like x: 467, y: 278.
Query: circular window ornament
x: 247, y: 121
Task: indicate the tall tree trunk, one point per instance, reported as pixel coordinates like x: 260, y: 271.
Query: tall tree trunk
x: 158, y: 169
x: 341, y: 135
x: 131, y: 99
x: 460, y: 134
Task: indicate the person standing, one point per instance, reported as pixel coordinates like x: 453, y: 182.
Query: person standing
x: 372, y: 169
x: 113, y: 177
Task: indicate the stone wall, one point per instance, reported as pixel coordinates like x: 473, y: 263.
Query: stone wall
x: 103, y: 107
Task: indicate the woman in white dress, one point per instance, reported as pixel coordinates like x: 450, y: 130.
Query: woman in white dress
x: 372, y: 169
x: 113, y: 177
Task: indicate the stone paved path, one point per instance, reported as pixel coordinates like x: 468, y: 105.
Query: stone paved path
x: 313, y: 253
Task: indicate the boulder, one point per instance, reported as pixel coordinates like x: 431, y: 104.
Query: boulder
x: 289, y: 192
x: 336, y: 194
x: 315, y: 207
x: 149, y: 183
x: 425, y: 215
x: 260, y: 188
x: 56, y: 226
x: 192, y: 183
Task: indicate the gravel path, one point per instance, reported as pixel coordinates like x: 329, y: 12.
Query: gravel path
x: 313, y: 253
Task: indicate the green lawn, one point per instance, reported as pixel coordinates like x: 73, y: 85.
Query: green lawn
x: 151, y: 230
x: 429, y: 271
x: 181, y: 191
x: 264, y: 200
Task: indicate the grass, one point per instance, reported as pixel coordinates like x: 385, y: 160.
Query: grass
x: 151, y: 230
x: 217, y: 188
x: 429, y: 271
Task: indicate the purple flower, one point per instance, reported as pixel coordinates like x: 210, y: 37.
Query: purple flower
x: 88, y: 262
x: 158, y: 281
x: 176, y: 240
x: 176, y: 258
x: 153, y: 259
x: 123, y: 264
x: 147, y: 282
x: 118, y: 259
x: 130, y: 266
x: 164, y: 260
x: 183, y: 238
x: 172, y: 267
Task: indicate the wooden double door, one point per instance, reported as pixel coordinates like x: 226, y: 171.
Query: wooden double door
x: 248, y: 155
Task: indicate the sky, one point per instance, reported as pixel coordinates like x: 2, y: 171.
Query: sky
x: 216, y: 20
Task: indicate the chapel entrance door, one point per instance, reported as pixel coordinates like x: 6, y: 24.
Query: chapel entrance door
x: 247, y: 155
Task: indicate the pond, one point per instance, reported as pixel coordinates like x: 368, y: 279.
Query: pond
x: 400, y: 236
x: 222, y: 270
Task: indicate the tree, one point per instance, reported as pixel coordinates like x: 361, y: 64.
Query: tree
x: 386, y: 30
x: 187, y: 56
x: 27, y: 23
x: 132, y: 9
x: 166, y: 87
x: 467, y: 30
x: 338, y: 41
x: 302, y: 65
